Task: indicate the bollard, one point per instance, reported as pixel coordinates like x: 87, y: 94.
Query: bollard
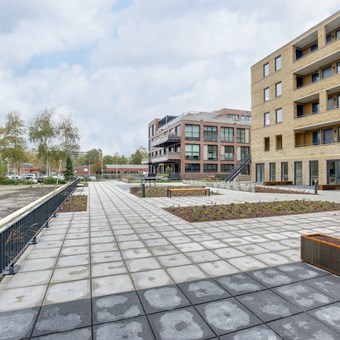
x: 316, y: 187
x: 143, y: 189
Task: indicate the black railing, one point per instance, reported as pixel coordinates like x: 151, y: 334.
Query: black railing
x: 239, y: 167
x: 18, y: 233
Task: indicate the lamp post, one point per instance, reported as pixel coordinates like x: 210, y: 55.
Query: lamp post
x: 59, y: 171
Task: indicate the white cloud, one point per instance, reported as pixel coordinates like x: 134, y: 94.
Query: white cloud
x: 116, y: 70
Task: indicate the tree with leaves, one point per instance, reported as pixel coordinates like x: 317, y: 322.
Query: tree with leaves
x: 69, y: 170
x: 138, y: 155
x: 12, y: 141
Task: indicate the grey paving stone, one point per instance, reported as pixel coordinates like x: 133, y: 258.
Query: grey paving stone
x: 203, y: 291
x: 329, y: 285
x: 301, y: 271
x: 267, y: 305
x: 162, y: 298
x: 226, y: 316
x: 255, y: 333
x: 116, y: 307
x: 135, y: 328
x: 302, y: 327
x: 238, y: 284
x: 63, y: 316
x: 183, y: 323
x: 77, y: 334
x: 303, y: 296
x: 271, y: 277
x: 329, y: 315
x: 17, y: 324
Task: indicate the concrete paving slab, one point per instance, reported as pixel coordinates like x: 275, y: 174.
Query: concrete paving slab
x: 271, y: 277
x: 77, y: 334
x: 329, y: 315
x: 254, y: 333
x: 116, y: 307
x: 186, y: 273
x: 111, y: 285
x: 329, y: 285
x: 151, y: 278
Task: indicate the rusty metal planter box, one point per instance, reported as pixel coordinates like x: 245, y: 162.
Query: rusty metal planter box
x: 321, y: 253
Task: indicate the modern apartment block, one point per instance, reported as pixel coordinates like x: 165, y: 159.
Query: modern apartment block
x: 296, y: 109
x: 199, y: 145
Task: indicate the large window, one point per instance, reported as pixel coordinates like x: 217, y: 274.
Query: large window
x: 266, y: 94
x: 284, y: 171
x: 278, y: 89
x: 313, y: 172
x: 227, y: 153
x: 227, y: 167
x: 316, y: 137
x: 278, y: 63
x: 227, y: 134
x: 272, y: 172
x: 327, y: 72
x: 315, y: 77
x: 266, y: 70
x: 210, y: 152
x: 192, y: 152
x: 210, y: 168
x: 278, y: 115
x: 328, y: 136
x: 315, y: 107
x: 242, y: 135
x: 192, y: 132
x: 210, y: 133
x: 266, y: 118
x: 244, y: 152
x: 192, y: 167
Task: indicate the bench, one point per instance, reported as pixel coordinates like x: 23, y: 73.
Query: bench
x: 151, y: 177
x: 329, y: 186
x: 170, y: 191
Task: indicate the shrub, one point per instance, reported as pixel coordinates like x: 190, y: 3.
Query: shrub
x: 51, y: 180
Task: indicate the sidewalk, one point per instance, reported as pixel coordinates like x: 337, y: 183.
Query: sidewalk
x: 97, y: 272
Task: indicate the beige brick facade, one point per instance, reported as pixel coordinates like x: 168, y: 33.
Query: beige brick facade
x: 303, y: 78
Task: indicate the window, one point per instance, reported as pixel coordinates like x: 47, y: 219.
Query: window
x: 244, y: 152
x: 313, y: 171
x: 298, y: 54
x: 266, y: 70
x: 337, y: 67
x: 337, y: 34
x: 227, y: 135
x: 315, y: 77
x: 266, y: 94
x: 192, y: 132
x: 299, y: 110
x: 299, y: 82
x: 330, y: 103
x: 328, y: 38
x: 284, y: 171
x: 278, y: 89
x: 315, y: 107
x: 192, y: 167
x: 316, y: 137
x: 242, y: 135
x: 227, y: 153
x: 278, y: 115
x: 314, y: 47
x: 278, y: 63
x: 227, y: 167
x: 210, y: 168
x: 266, y: 144
x: 279, y: 142
x: 339, y: 135
x: 210, y: 133
x: 327, y: 72
x: 327, y: 136
x: 266, y: 119
x: 192, y: 151
x: 210, y: 152
x: 272, y: 172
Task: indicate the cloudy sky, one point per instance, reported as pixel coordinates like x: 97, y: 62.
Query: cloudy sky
x: 117, y: 64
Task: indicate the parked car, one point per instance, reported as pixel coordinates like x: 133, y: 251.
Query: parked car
x: 30, y: 177
x: 92, y: 178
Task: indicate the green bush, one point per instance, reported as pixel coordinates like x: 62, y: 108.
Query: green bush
x: 51, y: 180
x: 8, y: 181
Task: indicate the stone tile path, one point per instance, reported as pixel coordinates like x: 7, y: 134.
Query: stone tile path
x: 144, y: 272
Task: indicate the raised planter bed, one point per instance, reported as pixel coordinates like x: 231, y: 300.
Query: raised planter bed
x: 278, y: 183
x: 322, y: 251
x: 329, y: 186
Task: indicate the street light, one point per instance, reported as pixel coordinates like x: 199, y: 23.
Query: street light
x: 59, y: 171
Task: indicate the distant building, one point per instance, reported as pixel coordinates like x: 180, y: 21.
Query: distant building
x: 296, y: 109
x: 199, y: 144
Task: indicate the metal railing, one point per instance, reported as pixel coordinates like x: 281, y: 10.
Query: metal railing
x: 240, y: 166
x: 22, y: 230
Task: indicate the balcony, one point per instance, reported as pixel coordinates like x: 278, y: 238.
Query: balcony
x: 166, y: 140
x: 307, y: 106
x: 145, y: 161
x: 306, y: 46
x: 169, y: 157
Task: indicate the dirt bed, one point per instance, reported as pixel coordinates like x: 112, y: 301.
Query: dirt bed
x: 15, y: 198
x: 328, y: 239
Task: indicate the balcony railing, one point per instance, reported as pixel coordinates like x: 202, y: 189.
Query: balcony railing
x: 316, y: 144
x: 170, y: 156
x: 168, y: 139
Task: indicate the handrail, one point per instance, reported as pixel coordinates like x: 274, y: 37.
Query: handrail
x: 20, y: 228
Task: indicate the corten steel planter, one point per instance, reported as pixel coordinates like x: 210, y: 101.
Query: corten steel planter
x: 321, y: 253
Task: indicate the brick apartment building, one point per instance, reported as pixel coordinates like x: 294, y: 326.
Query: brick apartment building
x: 295, y: 109
x: 199, y: 145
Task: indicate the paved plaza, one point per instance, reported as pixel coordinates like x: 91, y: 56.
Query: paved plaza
x: 127, y: 269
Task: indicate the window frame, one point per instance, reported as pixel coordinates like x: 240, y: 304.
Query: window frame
x: 213, y: 165
x: 266, y: 72
x: 226, y: 132
x: 278, y: 58
x: 192, y: 157
x: 266, y: 119
x: 276, y: 89
x: 276, y: 115
x: 194, y: 134
x: 266, y: 91
x: 208, y: 134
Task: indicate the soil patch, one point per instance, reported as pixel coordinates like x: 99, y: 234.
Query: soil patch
x: 75, y: 203
x: 329, y: 239
x: 280, y: 191
x: 154, y: 191
x: 250, y: 210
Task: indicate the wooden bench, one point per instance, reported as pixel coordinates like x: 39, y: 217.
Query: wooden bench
x: 170, y: 191
x: 329, y: 186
